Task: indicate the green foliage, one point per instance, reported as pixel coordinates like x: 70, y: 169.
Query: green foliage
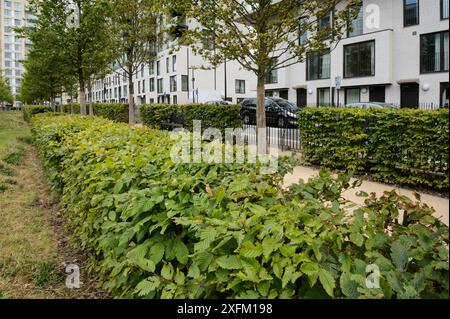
x: 117, y: 112
x: 217, y: 116
x: 45, y: 273
x: 3, y: 187
x: 14, y: 157
x: 408, y: 147
x: 5, y: 170
x: 5, y: 91
x: 30, y: 110
x: 159, y: 229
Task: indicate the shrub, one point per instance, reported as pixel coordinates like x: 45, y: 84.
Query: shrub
x: 30, y: 110
x: 117, y: 112
x: 216, y: 116
x: 72, y: 108
x: 408, y: 147
x: 159, y: 229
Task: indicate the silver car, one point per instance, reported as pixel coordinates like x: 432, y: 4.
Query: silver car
x: 371, y: 105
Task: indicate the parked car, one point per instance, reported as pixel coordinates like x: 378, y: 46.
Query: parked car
x: 218, y: 102
x: 371, y: 105
x: 279, y: 112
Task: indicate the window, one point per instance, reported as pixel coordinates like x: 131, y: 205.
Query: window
x: 142, y: 71
x: 174, y: 64
x: 324, y: 22
x: 410, y: 12
x: 152, y: 85
x: 173, y: 83
x: 143, y: 86
x: 158, y: 67
x: 323, y: 97
x: 7, y: 3
x: 352, y: 95
x: 272, y: 76
x: 359, y: 59
x: 159, y: 85
x: 357, y: 25
x: 303, y: 25
x: 17, y: 5
x: 139, y: 87
x: 240, y: 86
x: 151, y: 68
x: 125, y: 91
x: 184, y: 83
x: 175, y: 99
x: 434, y: 55
x: 318, y: 66
x: 444, y: 9
x: 167, y: 65
x: 444, y: 95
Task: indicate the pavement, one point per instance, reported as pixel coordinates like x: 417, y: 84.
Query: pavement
x: 440, y: 204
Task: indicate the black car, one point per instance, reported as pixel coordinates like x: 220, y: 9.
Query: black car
x: 279, y: 112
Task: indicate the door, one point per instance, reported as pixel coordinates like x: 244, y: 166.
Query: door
x: 301, y: 98
x: 409, y: 95
x: 377, y: 94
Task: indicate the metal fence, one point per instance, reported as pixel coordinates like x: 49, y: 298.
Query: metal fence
x: 286, y: 139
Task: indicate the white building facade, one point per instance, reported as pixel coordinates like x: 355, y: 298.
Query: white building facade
x: 398, y: 52
x: 13, y: 49
x: 178, y: 78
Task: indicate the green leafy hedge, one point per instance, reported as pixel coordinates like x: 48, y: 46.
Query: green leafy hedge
x: 408, y: 147
x: 159, y: 229
x: 216, y: 116
x: 71, y: 108
x: 29, y: 111
x: 117, y: 112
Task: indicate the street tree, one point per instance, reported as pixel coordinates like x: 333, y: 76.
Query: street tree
x: 133, y: 26
x: 262, y: 35
x: 81, y: 34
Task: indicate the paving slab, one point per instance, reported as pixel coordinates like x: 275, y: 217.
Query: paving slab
x: 440, y: 204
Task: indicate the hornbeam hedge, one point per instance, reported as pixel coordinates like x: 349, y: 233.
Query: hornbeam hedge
x: 28, y: 111
x: 216, y: 116
x: 154, y: 228
x: 117, y: 112
x: 408, y: 147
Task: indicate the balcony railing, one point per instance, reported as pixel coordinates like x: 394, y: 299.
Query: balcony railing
x: 411, y: 15
x: 435, y: 62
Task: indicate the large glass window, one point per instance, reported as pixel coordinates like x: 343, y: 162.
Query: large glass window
x: 159, y: 85
x: 173, y: 83
x: 357, y: 25
x: 434, y: 55
x: 174, y: 63
x: 272, y: 75
x: 184, y: 83
x: 318, y: 66
x: 444, y: 95
x: 352, y: 95
x: 152, y: 85
x: 303, y: 33
x: 324, y: 21
x: 323, y: 97
x: 359, y: 59
x: 240, y: 86
x: 445, y: 9
x: 410, y: 12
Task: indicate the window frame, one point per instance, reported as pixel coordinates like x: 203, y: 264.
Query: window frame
x: 442, y: 57
x: 238, y: 86
x: 404, y: 15
x: 442, y: 10
x: 359, y: 67
x: 318, y: 54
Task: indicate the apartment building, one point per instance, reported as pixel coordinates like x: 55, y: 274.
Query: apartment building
x: 177, y: 78
x: 398, y: 52
x: 13, y: 13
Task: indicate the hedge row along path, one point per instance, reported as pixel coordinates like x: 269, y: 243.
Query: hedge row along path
x: 33, y: 245
x: 440, y: 204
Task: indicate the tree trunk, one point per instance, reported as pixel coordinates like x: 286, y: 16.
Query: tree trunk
x: 261, y: 114
x: 91, y: 107
x: 131, y: 111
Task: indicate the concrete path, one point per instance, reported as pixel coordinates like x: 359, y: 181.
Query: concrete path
x: 440, y: 204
